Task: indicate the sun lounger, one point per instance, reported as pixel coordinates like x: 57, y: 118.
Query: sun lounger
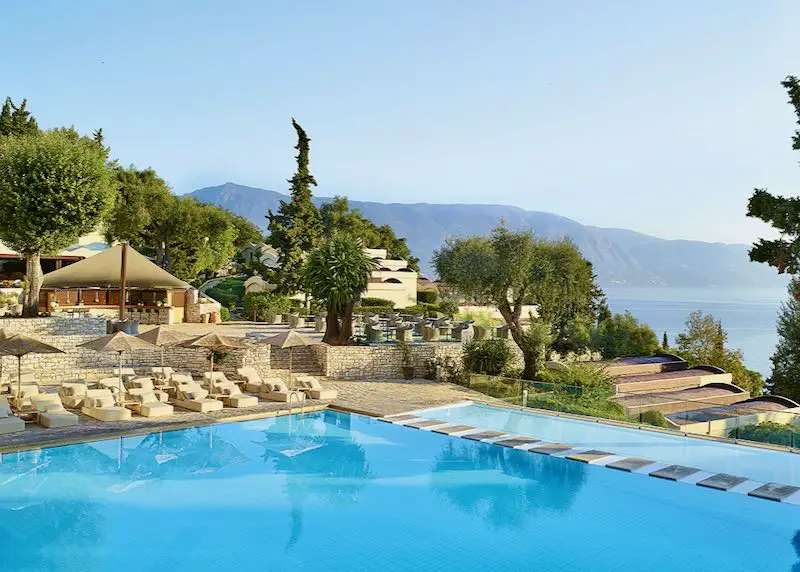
x: 231, y: 395
x: 177, y: 379
x: 110, y: 383
x: 72, y: 393
x: 21, y: 397
x: 145, y: 383
x: 194, y: 398
x: 279, y: 392
x: 253, y: 381
x: 126, y: 371
x: 147, y: 403
x: 51, y: 411
x: 162, y: 372
x: 9, y: 423
x: 101, y: 404
x: 313, y: 388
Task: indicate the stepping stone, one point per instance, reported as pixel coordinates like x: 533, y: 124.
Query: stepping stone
x: 550, y: 449
x: 630, y: 464
x: 450, y: 429
x: 399, y: 417
x: 721, y: 482
x: 425, y: 423
x: 516, y: 442
x: 589, y: 456
x: 774, y: 491
x: 674, y: 472
x: 481, y: 435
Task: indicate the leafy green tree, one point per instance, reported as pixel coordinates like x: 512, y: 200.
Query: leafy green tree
x: 297, y: 227
x: 338, y: 272
x: 785, y: 378
x: 703, y: 343
x: 510, y: 269
x: 185, y: 237
x: 623, y: 336
x: 17, y: 120
x: 54, y: 187
x: 337, y: 216
x: 782, y: 213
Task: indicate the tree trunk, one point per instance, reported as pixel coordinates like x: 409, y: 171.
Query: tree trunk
x: 346, y: 329
x: 511, y: 318
x: 33, y: 274
x: 331, y: 328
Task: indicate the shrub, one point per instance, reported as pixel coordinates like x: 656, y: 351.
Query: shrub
x: 229, y: 292
x: 382, y: 302
x: 602, y: 408
x: 768, y: 432
x: 491, y: 357
x: 448, y: 307
x: 427, y: 297
x: 655, y: 418
x: 426, y: 310
x: 623, y: 336
x: 372, y: 310
x: 224, y: 314
x: 479, y: 317
x: 588, y: 381
x: 264, y: 303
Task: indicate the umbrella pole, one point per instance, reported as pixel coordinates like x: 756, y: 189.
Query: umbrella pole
x: 291, y: 378
x: 19, y: 380
x: 162, y: 363
x: 212, y: 363
x: 120, y: 378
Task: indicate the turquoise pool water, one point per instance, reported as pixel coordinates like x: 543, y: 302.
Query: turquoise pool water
x: 334, y: 492
x: 759, y: 464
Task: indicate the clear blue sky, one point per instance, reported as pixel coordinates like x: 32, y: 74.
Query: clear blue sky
x: 659, y: 116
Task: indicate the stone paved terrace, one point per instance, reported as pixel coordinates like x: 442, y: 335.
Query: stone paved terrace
x: 377, y: 398
x: 389, y: 396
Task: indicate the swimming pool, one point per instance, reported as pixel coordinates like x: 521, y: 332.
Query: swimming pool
x: 758, y: 464
x: 333, y: 492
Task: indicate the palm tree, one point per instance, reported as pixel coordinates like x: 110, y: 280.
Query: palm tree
x: 338, y: 272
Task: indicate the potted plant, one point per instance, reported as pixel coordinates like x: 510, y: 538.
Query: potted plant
x: 407, y: 364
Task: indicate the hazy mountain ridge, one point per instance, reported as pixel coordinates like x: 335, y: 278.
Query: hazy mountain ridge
x: 620, y: 256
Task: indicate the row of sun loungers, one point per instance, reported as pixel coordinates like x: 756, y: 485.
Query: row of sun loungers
x: 107, y: 401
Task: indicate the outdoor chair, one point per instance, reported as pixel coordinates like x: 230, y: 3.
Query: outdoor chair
x: 9, y: 423
x: 147, y: 403
x: 430, y: 333
x: 72, y: 393
x: 194, y: 398
x: 101, y: 404
x: 313, y: 388
x: 279, y: 392
x: 51, y: 412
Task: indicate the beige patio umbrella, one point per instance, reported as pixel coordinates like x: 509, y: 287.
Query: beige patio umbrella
x: 289, y: 339
x: 163, y: 337
x: 119, y: 342
x: 19, y: 345
x: 214, y: 342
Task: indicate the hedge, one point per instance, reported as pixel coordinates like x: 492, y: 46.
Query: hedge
x: 382, y: 302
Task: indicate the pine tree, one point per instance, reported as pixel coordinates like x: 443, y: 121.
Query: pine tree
x: 785, y: 379
x: 98, y: 136
x: 665, y: 342
x: 297, y: 226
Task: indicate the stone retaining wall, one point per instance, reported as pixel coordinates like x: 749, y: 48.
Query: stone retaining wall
x: 380, y: 362
x: 67, y: 333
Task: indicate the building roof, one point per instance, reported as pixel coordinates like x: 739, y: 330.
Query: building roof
x: 103, y: 270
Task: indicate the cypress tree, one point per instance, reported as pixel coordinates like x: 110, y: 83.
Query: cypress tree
x: 297, y: 226
x: 22, y: 122
x: 665, y: 342
x: 785, y: 379
x: 5, y: 118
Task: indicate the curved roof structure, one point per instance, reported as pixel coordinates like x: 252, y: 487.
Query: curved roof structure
x: 103, y: 271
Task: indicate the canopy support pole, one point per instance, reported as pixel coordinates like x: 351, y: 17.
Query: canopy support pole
x: 123, y: 269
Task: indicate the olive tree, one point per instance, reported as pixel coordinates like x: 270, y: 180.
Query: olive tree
x: 511, y: 269
x: 54, y: 187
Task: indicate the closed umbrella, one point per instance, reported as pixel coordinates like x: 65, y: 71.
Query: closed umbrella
x: 119, y: 342
x: 214, y: 342
x: 19, y: 345
x: 289, y: 339
x: 163, y: 337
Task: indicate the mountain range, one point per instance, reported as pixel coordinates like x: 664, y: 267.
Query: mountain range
x: 620, y: 257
